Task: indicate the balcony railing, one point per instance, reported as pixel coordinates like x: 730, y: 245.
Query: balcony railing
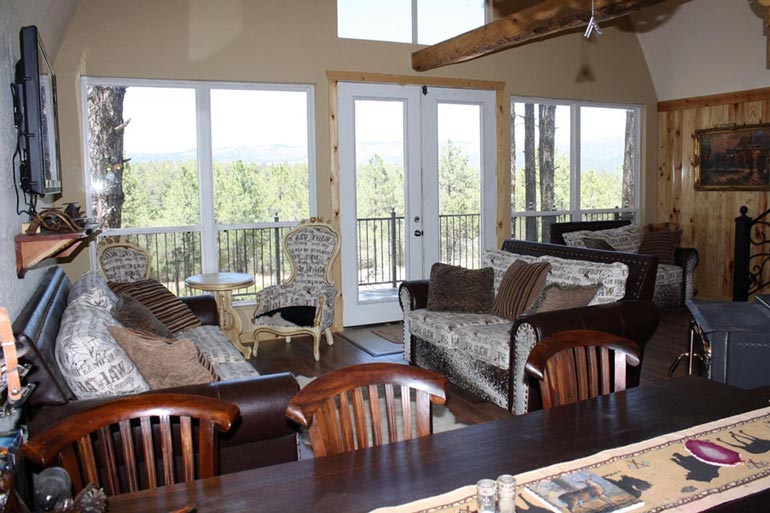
x: 176, y: 253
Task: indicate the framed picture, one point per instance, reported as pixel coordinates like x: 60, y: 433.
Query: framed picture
x: 733, y: 159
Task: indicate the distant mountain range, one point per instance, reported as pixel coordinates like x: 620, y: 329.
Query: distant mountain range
x: 597, y: 153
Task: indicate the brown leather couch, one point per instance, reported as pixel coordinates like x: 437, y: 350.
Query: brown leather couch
x: 261, y: 436
x: 634, y: 317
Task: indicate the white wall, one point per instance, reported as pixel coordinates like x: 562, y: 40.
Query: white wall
x: 51, y: 18
x: 702, y: 47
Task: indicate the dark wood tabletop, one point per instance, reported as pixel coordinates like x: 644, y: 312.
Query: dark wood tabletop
x: 402, y: 472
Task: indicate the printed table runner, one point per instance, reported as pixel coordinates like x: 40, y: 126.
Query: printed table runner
x: 681, y: 472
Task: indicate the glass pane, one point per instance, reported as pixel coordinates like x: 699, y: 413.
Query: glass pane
x: 459, y: 183
x: 375, y: 20
x: 380, y: 156
x: 438, y: 20
x: 540, y: 161
x: 149, y: 176
x: 607, y: 153
x: 260, y: 151
x: 531, y: 227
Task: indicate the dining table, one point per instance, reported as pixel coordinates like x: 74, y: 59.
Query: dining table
x: 397, y: 473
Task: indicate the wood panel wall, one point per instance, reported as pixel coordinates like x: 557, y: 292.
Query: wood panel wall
x: 707, y: 218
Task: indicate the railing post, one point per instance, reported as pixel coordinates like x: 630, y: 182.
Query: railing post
x: 393, y: 255
x: 277, y: 236
x: 743, y: 225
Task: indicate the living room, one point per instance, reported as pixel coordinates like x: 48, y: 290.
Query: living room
x: 640, y: 62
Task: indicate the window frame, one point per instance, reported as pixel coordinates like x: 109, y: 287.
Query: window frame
x: 575, y: 212
x: 206, y: 225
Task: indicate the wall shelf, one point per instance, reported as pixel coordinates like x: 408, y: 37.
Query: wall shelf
x: 44, y: 249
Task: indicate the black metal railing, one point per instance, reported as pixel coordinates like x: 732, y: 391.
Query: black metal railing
x: 750, y: 271
x: 536, y: 227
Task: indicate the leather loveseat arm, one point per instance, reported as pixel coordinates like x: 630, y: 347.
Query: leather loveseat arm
x: 260, y: 436
x: 417, y: 294
x: 204, y: 307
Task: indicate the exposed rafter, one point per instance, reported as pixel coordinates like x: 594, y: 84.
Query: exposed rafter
x: 543, y: 19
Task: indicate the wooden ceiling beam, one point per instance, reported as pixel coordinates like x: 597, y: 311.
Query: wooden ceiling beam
x: 543, y: 19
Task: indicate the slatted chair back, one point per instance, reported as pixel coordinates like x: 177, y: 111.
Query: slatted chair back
x: 367, y: 405
x: 123, y: 262
x: 580, y: 364
x: 136, y: 442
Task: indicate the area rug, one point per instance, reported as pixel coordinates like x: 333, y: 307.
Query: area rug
x: 371, y: 343
x: 443, y: 419
x: 391, y: 332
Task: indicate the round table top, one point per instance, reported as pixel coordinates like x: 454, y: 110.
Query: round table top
x: 220, y: 281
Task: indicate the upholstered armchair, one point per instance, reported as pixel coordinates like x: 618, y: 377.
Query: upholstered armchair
x: 304, y: 303
x: 123, y: 262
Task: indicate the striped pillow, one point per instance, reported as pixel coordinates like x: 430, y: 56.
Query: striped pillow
x: 520, y: 285
x: 661, y: 244
x: 163, y: 304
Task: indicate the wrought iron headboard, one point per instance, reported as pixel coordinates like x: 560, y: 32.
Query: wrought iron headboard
x: 749, y: 268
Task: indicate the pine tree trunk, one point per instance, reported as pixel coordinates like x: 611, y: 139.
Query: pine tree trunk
x: 547, y: 171
x: 105, y: 135
x: 628, y: 160
x: 530, y: 171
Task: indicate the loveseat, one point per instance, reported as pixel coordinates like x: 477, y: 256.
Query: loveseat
x: 486, y: 355
x: 675, y: 281
x: 261, y: 435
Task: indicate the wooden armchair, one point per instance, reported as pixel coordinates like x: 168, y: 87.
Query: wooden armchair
x: 123, y: 262
x: 334, y: 407
x: 98, y: 445
x: 575, y: 365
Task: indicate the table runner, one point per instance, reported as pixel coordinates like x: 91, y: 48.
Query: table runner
x: 661, y: 471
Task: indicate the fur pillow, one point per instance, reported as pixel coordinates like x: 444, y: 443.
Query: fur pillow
x: 134, y: 315
x: 562, y: 297
x: 456, y: 289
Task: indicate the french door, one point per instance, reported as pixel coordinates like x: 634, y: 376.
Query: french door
x: 417, y: 186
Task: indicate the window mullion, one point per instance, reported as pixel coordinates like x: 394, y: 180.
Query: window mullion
x: 575, y: 162
x: 209, y: 253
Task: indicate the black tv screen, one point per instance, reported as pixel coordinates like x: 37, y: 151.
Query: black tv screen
x: 38, y: 127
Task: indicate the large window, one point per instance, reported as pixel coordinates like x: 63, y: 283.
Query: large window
x: 205, y: 176
x: 408, y: 21
x: 572, y: 161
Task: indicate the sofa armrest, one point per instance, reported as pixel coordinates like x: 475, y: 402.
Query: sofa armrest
x: 417, y: 291
x: 687, y: 259
x: 204, y: 307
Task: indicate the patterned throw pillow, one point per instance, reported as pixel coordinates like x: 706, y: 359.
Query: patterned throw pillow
x: 91, y: 361
x: 163, y: 304
x: 561, y: 297
x: 625, y: 239
x: 164, y: 362
x: 456, y: 289
x: 661, y: 244
x: 134, y: 315
x: 521, y: 284
x: 93, y: 287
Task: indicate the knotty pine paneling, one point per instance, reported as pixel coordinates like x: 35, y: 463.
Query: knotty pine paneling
x: 707, y: 218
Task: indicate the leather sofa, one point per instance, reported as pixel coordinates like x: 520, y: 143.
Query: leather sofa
x: 634, y: 316
x: 261, y: 436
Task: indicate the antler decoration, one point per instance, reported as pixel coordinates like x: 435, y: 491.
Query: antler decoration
x: 593, y: 25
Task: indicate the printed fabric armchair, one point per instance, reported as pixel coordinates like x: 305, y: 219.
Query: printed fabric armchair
x: 123, y: 262
x: 304, y: 303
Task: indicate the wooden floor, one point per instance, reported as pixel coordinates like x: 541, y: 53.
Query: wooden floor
x: 297, y: 357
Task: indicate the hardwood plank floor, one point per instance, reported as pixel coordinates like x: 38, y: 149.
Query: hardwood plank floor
x: 297, y: 357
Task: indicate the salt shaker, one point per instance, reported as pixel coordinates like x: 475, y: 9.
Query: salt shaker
x: 506, y: 494
x: 486, y: 495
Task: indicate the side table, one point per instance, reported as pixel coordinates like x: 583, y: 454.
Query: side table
x: 222, y: 285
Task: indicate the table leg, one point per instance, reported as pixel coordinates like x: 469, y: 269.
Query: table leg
x: 230, y: 321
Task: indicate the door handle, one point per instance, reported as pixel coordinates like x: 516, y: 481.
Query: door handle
x: 418, y: 233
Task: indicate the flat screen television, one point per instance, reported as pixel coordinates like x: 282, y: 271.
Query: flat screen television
x: 37, y: 121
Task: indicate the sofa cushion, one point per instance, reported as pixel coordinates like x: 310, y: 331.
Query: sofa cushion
x: 626, y: 239
x: 489, y: 343
x: 134, y: 315
x: 520, y: 285
x: 456, y: 289
x: 437, y: 327
x: 226, y: 360
x: 168, y: 308
x: 661, y: 244
x: 562, y: 297
x: 91, y: 361
x: 163, y: 362
x: 611, y: 277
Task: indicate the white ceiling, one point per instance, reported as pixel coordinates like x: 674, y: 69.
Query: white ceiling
x: 702, y: 47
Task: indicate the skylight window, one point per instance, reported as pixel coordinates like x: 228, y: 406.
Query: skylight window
x: 408, y: 21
